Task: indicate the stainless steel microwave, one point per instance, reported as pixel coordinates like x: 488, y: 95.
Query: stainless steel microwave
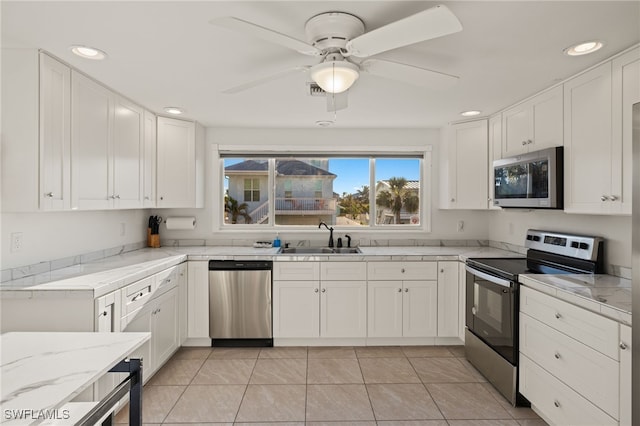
x: 532, y: 180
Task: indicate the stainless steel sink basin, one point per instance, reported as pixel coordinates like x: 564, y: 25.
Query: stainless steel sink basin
x: 320, y: 250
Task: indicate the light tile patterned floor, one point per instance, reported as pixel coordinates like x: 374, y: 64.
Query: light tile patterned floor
x: 412, y: 386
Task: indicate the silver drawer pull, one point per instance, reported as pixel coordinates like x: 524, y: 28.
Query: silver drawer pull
x: 556, y: 403
x: 557, y: 355
x: 402, y: 270
x: 623, y: 346
x: 399, y: 290
x: 558, y: 316
x: 324, y: 290
x: 406, y: 290
x: 315, y: 290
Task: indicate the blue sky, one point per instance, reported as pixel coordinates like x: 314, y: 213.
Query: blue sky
x: 353, y: 173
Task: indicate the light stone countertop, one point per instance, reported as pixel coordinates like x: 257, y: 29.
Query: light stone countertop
x: 44, y: 370
x: 604, y: 294
x: 97, y: 278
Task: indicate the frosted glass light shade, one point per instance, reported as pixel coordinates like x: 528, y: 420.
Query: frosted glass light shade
x: 335, y: 76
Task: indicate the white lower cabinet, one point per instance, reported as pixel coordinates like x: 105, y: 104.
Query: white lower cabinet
x: 305, y: 306
x: 160, y: 317
x: 402, y: 307
x: 570, y: 362
x: 198, y: 299
x: 448, y: 299
x: 625, y: 375
x: 557, y: 402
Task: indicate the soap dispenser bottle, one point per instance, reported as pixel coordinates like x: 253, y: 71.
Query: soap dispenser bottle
x: 276, y: 242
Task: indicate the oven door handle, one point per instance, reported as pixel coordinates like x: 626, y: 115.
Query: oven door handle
x: 490, y: 278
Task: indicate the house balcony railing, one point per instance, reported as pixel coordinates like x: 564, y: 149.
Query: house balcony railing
x: 301, y: 206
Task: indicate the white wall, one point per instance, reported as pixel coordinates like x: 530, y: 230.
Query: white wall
x: 443, y: 223
x: 510, y: 226
x: 55, y: 235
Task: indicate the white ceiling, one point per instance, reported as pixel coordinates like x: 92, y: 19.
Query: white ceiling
x: 167, y: 53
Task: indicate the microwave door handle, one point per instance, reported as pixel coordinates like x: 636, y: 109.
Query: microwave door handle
x: 529, y: 180
x: 487, y: 277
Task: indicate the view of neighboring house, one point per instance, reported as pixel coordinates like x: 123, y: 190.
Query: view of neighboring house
x: 386, y: 215
x: 303, y: 194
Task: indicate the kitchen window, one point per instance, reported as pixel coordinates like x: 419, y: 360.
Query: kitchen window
x: 363, y: 192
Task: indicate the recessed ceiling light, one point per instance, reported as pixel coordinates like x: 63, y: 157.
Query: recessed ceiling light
x: 324, y: 123
x: 583, y: 48
x: 471, y: 113
x: 88, y: 52
x: 174, y: 110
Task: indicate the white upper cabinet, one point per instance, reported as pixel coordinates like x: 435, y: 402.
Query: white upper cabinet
x: 495, y: 153
x: 467, y: 166
x: 176, y: 167
x: 534, y: 124
x: 626, y: 92
x: 55, y: 140
x: 106, y: 147
x: 91, y: 150
x: 149, y: 167
x: 589, y: 157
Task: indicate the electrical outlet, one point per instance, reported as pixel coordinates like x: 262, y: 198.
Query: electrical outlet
x: 461, y: 226
x: 16, y: 242
x: 123, y: 229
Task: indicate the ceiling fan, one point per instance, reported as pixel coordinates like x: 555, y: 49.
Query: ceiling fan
x: 345, y: 50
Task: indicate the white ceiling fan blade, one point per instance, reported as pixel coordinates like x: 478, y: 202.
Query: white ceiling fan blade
x: 254, y: 30
x: 409, y: 74
x: 431, y: 23
x: 337, y: 101
x: 266, y: 79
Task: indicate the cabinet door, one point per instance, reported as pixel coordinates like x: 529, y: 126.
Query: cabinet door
x: 149, y: 164
x: 91, y: 150
x: 448, y: 300
x: 517, y: 122
x: 588, y: 162
x: 625, y: 375
x: 296, y: 309
x: 55, y: 136
x: 182, y: 302
x: 469, y: 166
x: 176, y: 174
x: 198, y: 299
x: 495, y: 153
x: 141, y: 322
x: 626, y: 92
x: 127, y: 154
x: 343, y: 309
x: 384, y: 309
x: 419, y: 309
x: 547, y: 120
x: 108, y: 313
x: 165, y: 326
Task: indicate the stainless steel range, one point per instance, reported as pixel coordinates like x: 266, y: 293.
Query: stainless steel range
x: 492, y: 300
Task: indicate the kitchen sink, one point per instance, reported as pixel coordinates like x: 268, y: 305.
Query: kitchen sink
x: 320, y: 250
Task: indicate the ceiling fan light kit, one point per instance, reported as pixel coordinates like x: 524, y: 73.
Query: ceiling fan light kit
x: 337, y: 36
x: 335, y: 76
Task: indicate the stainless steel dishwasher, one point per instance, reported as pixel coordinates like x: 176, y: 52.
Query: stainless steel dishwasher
x: 240, y: 311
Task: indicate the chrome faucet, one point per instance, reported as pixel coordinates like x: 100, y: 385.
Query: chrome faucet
x: 330, y: 232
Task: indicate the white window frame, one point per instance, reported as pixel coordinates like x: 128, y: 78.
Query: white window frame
x: 426, y: 187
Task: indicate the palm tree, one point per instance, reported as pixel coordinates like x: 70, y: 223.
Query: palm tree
x: 234, y: 210
x: 397, y: 197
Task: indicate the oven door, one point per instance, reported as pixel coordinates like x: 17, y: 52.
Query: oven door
x: 490, y: 306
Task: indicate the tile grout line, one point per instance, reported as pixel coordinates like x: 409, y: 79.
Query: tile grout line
x: 366, y: 389
x: 246, y: 388
x: 426, y: 389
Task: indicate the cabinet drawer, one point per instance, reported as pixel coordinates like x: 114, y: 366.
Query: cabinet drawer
x: 167, y: 279
x: 558, y: 402
x: 134, y: 296
x: 349, y: 271
x: 589, y: 328
x: 587, y: 371
x: 296, y: 271
x: 402, y: 270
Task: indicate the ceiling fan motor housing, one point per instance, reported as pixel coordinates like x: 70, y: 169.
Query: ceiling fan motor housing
x: 331, y: 31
